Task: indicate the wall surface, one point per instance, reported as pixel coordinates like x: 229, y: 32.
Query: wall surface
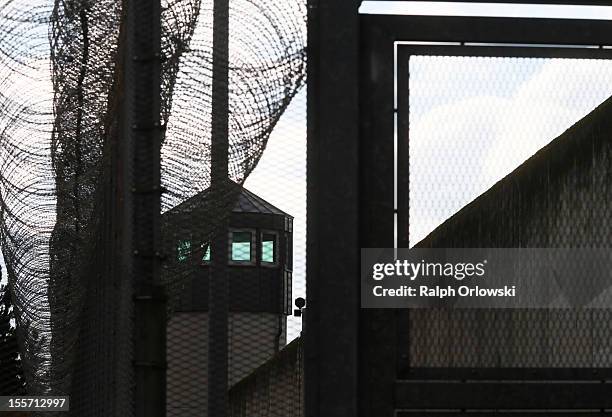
x: 253, y: 338
x: 559, y: 198
x: 275, y: 389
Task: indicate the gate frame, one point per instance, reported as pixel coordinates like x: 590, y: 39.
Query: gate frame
x: 382, y: 364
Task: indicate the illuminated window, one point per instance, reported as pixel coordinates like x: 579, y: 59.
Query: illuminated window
x: 268, y: 247
x: 183, y: 249
x: 206, y: 252
x: 241, y: 245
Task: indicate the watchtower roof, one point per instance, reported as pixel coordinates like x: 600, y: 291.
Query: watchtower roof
x: 247, y: 202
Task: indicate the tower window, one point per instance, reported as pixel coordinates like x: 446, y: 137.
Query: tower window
x: 241, y: 246
x: 206, y: 252
x: 183, y: 250
x: 268, y: 248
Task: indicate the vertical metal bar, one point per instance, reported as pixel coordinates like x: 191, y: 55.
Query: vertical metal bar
x: 331, y: 348
x: 377, y: 327
x: 403, y: 161
x: 142, y: 204
x: 218, y: 285
x: 402, y: 355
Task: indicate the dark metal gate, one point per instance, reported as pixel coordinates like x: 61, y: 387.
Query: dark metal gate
x: 436, y: 362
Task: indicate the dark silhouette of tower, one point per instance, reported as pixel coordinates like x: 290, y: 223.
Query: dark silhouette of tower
x: 259, y: 239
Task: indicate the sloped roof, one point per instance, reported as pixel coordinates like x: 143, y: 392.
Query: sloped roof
x: 498, y: 217
x: 247, y: 202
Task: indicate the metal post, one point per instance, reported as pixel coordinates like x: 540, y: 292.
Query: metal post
x: 331, y: 343
x: 218, y: 284
x: 142, y: 203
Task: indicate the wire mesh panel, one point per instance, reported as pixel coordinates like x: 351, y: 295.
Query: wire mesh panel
x: 509, y: 152
x: 274, y: 389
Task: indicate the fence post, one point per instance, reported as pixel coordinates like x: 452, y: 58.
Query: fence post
x: 142, y: 205
x: 218, y: 311
x: 333, y: 205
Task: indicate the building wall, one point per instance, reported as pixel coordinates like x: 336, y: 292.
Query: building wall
x: 559, y: 198
x: 253, y: 340
x: 273, y: 390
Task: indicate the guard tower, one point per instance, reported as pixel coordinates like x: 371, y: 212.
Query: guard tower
x: 259, y: 272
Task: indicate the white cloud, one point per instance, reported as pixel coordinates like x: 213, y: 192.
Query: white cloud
x: 462, y: 144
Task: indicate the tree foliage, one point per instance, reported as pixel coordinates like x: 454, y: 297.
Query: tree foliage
x: 11, y: 375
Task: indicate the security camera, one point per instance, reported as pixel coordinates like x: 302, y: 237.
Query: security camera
x: 300, y: 303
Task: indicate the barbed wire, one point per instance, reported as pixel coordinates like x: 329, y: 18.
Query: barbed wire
x: 60, y: 106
